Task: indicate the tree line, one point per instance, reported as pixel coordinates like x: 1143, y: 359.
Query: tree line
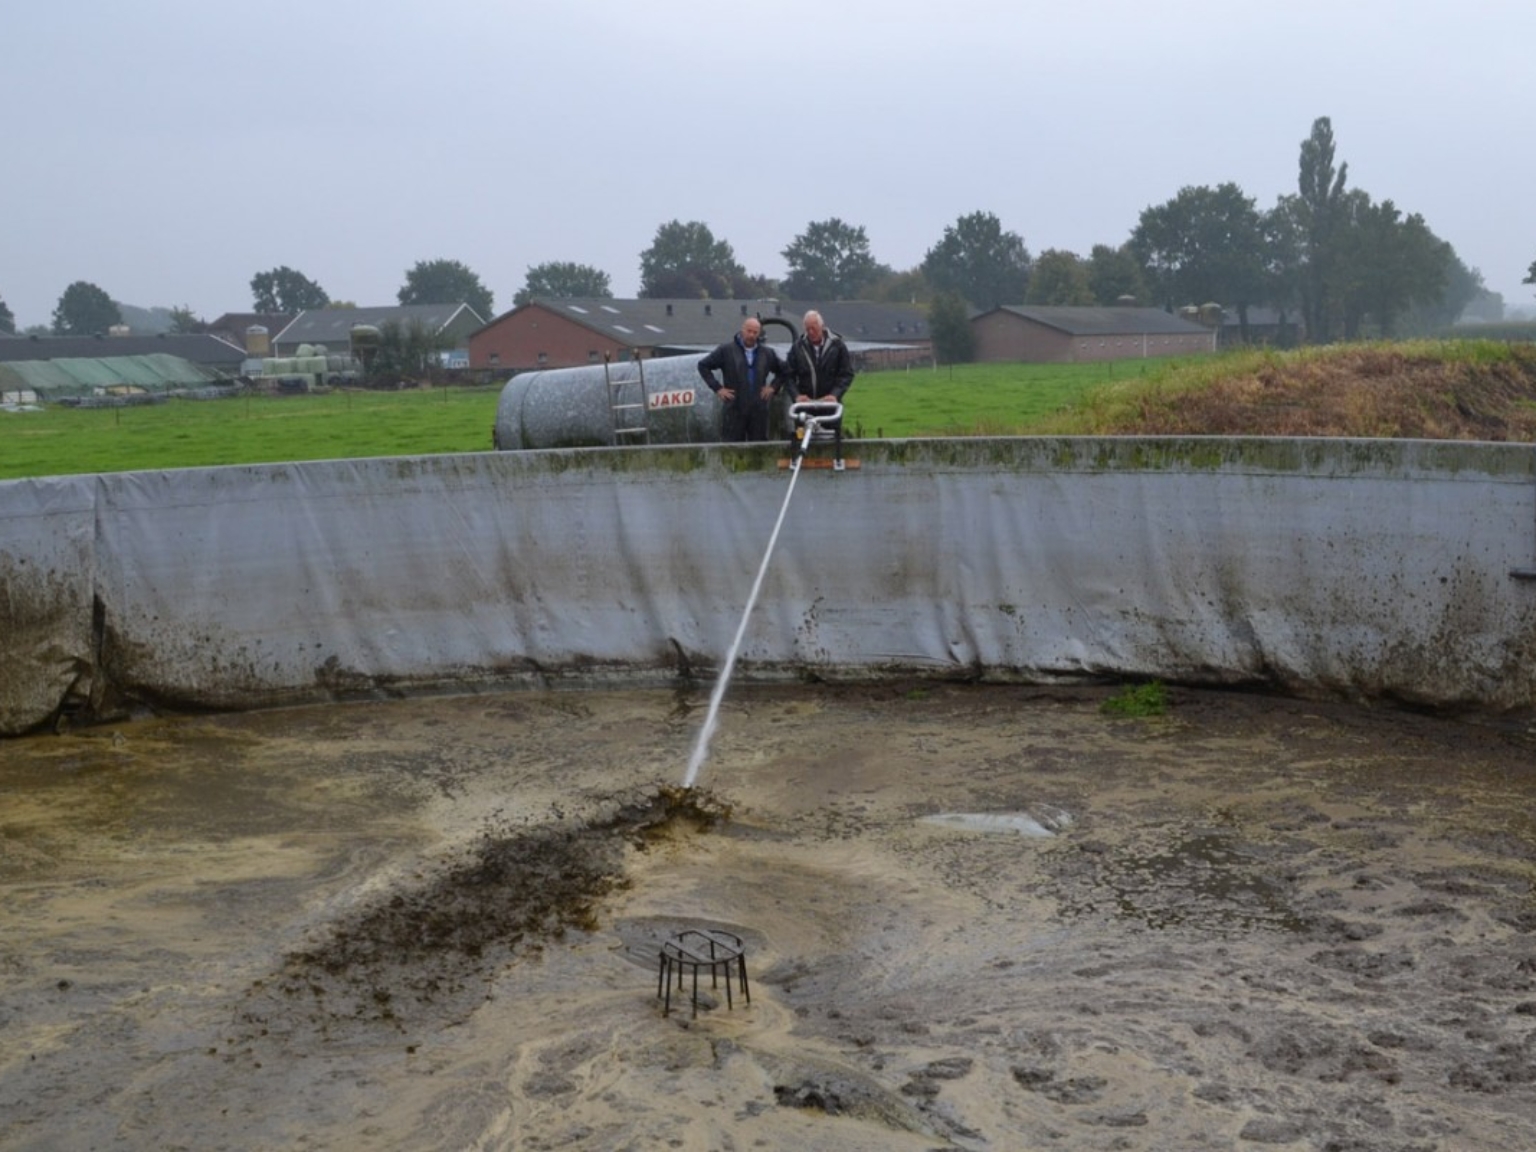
x: 1332, y: 256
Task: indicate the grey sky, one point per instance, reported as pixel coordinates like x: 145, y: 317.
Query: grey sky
x: 169, y: 150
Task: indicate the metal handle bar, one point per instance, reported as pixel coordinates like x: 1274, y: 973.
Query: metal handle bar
x: 814, y: 413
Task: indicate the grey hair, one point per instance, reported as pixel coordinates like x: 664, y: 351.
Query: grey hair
x: 814, y: 315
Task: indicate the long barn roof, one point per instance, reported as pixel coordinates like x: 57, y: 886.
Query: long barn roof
x: 1093, y: 321
x: 83, y: 376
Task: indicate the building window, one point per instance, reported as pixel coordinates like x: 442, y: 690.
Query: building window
x: 543, y: 357
x: 495, y: 359
x: 591, y: 355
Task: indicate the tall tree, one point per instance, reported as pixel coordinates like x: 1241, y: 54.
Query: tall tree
x: 976, y: 258
x: 563, y: 280
x: 1205, y: 246
x: 751, y: 286
x: 1530, y: 275
x: 1485, y: 307
x: 1114, y: 274
x: 446, y: 282
x: 1059, y: 277
x: 1465, y: 297
x: 282, y: 290
x: 949, y: 322
x: 892, y: 287
x: 1319, y: 209
x: 405, y: 351
x: 184, y: 322
x: 1284, y: 256
x: 85, y: 310
x: 1385, y: 264
x: 685, y: 260
x: 7, y: 318
x: 830, y: 260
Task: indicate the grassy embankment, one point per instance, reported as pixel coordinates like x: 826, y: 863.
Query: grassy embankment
x: 1413, y: 390
x: 1433, y: 390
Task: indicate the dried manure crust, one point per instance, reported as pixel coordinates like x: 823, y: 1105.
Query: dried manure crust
x: 1249, y: 922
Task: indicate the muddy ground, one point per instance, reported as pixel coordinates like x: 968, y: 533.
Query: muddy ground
x: 435, y: 924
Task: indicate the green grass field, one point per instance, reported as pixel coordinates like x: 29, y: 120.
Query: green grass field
x: 246, y: 430
x: 981, y: 399
x: 965, y: 400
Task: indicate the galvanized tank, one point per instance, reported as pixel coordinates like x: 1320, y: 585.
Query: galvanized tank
x: 659, y: 401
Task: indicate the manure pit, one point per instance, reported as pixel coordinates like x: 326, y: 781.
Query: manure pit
x: 978, y: 917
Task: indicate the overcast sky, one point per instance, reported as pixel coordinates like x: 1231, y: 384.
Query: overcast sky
x: 169, y: 150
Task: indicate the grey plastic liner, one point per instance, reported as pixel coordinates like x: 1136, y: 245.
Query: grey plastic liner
x: 1345, y: 568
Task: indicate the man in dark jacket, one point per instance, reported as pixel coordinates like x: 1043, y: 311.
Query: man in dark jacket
x: 749, y: 372
x: 819, y: 368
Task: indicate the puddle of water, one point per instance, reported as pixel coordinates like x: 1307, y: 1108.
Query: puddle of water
x: 1019, y: 823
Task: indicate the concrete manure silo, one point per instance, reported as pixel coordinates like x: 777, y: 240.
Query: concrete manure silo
x: 661, y: 401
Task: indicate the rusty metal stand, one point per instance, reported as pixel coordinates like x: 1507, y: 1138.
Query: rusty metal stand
x: 710, y: 948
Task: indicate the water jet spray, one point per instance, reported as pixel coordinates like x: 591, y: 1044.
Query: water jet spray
x: 809, y: 418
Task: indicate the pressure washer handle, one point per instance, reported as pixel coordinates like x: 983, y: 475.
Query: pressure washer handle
x: 814, y: 413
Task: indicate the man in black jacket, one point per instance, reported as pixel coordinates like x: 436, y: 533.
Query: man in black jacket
x: 819, y: 368
x: 749, y: 371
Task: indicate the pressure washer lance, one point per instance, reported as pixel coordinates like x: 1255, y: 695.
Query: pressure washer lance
x: 819, y: 420
x: 808, y: 420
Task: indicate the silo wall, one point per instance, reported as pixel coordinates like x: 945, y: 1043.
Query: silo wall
x: 1358, y: 569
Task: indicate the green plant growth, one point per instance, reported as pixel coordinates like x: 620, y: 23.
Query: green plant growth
x: 1149, y: 699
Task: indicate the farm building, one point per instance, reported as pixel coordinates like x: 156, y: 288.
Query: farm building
x: 332, y: 327
x: 1071, y: 334
x: 253, y: 331
x: 78, y: 379
x: 569, y: 333
x: 1265, y: 325
x: 219, y: 356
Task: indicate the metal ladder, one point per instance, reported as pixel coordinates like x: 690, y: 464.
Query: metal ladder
x: 624, y: 430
